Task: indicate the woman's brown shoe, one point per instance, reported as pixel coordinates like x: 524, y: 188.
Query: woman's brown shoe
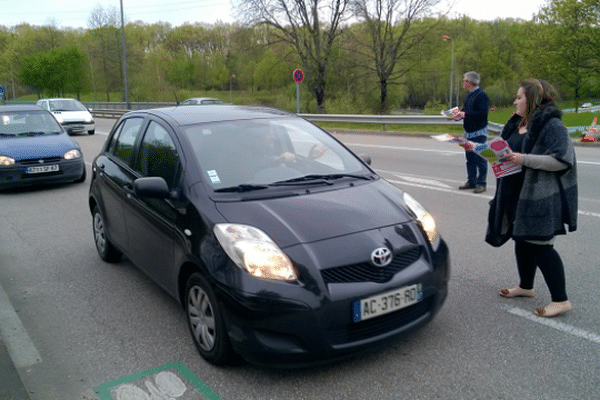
x: 553, y: 309
x: 517, y: 292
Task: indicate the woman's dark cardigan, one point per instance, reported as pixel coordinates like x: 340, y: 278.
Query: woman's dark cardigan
x: 548, y: 199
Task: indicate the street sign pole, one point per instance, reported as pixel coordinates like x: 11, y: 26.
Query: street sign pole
x: 298, y: 76
x: 297, y: 97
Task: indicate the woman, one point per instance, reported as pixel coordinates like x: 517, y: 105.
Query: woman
x: 535, y: 205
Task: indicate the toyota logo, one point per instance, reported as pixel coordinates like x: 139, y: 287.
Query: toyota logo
x: 381, y: 257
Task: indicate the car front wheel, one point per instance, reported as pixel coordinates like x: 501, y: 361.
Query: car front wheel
x: 106, y: 249
x: 206, y: 324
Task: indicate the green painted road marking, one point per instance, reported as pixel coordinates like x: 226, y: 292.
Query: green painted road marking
x: 159, y: 381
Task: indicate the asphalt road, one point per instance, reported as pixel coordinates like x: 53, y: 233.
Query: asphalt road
x: 75, y: 324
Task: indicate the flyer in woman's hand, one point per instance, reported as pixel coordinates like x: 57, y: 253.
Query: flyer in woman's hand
x: 494, y: 152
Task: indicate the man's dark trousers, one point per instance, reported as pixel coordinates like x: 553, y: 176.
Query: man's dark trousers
x: 476, y: 165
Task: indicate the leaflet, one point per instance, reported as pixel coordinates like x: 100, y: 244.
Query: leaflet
x: 494, y: 152
x: 452, y: 113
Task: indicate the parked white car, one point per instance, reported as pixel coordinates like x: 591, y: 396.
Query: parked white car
x: 70, y: 113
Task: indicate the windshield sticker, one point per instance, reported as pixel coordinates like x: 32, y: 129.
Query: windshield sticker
x: 206, y: 131
x: 214, y: 177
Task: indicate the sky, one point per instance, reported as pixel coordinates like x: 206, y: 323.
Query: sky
x: 65, y: 14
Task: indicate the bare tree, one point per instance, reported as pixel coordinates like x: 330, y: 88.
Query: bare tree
x: 104, y: 45
x: 310, y: 26
x: 390, y: 37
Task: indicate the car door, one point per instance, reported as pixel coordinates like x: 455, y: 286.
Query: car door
x: 151, y: 222
x: 115, y: 178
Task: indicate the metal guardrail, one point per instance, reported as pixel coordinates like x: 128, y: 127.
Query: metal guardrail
x: 383, y: 120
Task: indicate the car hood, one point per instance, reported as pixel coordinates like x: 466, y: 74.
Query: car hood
x: 319, y: 216
x: 72, y: 116
x: 37, y: 146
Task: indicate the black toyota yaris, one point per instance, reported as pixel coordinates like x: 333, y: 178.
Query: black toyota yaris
x: 283, y: 246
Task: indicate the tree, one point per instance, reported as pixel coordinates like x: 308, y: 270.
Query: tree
x: 104, y: 47
x: 568, y: 26
x: 311, y: 27
x: 388, y: 24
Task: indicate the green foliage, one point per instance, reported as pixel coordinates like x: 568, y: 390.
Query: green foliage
x: 54, y: 73
x: 195, y: 60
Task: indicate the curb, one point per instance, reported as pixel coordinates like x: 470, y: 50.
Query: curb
x: 11, y: 385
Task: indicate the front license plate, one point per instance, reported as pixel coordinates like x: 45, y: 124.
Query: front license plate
x: 386, y: 303
x: 42, y: 169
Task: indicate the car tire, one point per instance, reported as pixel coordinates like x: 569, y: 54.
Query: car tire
x: 206, y: 323
x: 107, y: 251
x: 92, y: 132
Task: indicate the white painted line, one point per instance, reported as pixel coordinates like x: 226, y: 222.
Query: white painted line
x: 424, y: 181
x: 19, y: 345
x: 556, y: 325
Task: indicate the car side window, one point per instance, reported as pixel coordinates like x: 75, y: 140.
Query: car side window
x: 158, y: 155
x: 123, y: 141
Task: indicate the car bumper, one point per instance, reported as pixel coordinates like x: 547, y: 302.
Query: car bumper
x: 17, y: 176
x: 75, y: 127
x: 302, y: 325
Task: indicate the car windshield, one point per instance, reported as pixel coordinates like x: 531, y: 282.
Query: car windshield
x: 249, y: 155
x: 27, y: 123
x: 66, y: 105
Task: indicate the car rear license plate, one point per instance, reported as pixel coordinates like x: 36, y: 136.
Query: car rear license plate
x: 386, y: 303
x: 42, y: 169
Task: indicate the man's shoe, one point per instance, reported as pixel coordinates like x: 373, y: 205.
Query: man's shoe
x: 467, y: 185
x: 479, y: 189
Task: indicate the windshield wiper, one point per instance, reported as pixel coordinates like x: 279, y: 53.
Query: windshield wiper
x: 320, y: 178
x: 39, y: 133
x: 244, y: 187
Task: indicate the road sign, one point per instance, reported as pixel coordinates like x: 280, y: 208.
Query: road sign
x: 298, y: 75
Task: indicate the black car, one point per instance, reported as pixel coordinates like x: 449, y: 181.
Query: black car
x: 282, y: 245
x: 35, y: 149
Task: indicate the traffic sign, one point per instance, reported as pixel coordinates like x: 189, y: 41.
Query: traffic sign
x: 298, y: 75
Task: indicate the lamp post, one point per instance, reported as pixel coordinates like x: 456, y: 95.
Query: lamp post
x: 125, y: 80
x: 231, y: 78
x: 446, y: 37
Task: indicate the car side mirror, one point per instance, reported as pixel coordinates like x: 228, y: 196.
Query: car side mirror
x: 366, y: 158
x: 151, y: 187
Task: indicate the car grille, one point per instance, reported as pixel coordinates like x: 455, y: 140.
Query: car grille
x: 40, y: 161
x: 377, y: 326
x: 366, y: 272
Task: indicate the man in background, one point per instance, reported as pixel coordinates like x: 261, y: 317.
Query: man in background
x: 475, y: 123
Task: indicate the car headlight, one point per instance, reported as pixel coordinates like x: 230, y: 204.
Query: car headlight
x: 5, y: 161
x: 425, y: 219
x: 72, y: 154
x: 89, y: 118
x: 254, y: 251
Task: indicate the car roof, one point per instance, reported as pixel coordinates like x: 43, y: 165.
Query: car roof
x: 202, y: 98
x: 59, y: 98
x: 20, y: 107
x: 213, y: 113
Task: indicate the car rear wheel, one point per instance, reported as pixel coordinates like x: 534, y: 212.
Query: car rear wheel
x: 206, y: 324
x: 106, y: 249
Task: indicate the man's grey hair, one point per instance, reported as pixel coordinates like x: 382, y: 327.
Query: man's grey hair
x: 473, y: 77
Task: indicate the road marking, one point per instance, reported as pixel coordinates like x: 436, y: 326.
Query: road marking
x: 423, y: 181
x: 169, y: 381
x: 556, y: 325
x: 428, y: 150
x: 20, y: 347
